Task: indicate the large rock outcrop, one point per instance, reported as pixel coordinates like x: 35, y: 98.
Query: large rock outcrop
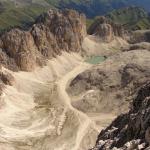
x: 106, y: 29
x: 52, y: 33
x: 20, y: 46
x: 110, y: 86
x: 131, y: 130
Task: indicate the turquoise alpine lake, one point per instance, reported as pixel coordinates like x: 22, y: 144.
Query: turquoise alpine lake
x: 95, y: 59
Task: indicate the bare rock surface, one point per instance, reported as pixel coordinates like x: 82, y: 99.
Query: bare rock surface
x: 110, y: 86
x: 130, y: 130
x: 106, y: 29
x: 52, y: 33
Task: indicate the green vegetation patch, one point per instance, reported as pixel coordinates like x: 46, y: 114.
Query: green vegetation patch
x: 13, y: 16
x: 133, y: 18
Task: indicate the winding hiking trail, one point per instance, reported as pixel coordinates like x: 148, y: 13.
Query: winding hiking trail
x: 64, y: 81
x: 85, y: 121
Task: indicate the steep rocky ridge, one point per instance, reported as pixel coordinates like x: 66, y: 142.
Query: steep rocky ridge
x: 130, y: 130
x: 106, y: 29
x: 52, y: 33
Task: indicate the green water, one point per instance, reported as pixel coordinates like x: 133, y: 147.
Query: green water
x: 95, y: 59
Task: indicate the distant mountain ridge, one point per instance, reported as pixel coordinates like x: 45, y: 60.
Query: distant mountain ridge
x: 134, y: 18
x: 20, y: 12
x: 94, y: 8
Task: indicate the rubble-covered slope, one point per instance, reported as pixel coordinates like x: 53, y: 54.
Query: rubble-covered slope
x: 110, y: 86
x: 130, y: 130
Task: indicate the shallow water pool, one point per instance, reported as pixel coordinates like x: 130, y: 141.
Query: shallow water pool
x: 95, y: 59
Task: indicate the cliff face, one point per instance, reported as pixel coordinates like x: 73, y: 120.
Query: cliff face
x: 52, y: 33
x: 131, y: 130
x: 106, y: 29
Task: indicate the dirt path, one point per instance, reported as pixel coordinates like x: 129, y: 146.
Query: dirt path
x: 85, y: 121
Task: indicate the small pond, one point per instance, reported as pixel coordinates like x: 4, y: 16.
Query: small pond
x: 95, y: 59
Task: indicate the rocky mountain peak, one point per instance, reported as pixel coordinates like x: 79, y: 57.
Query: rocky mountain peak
x: 52, y: 33
x: 106, y: 29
